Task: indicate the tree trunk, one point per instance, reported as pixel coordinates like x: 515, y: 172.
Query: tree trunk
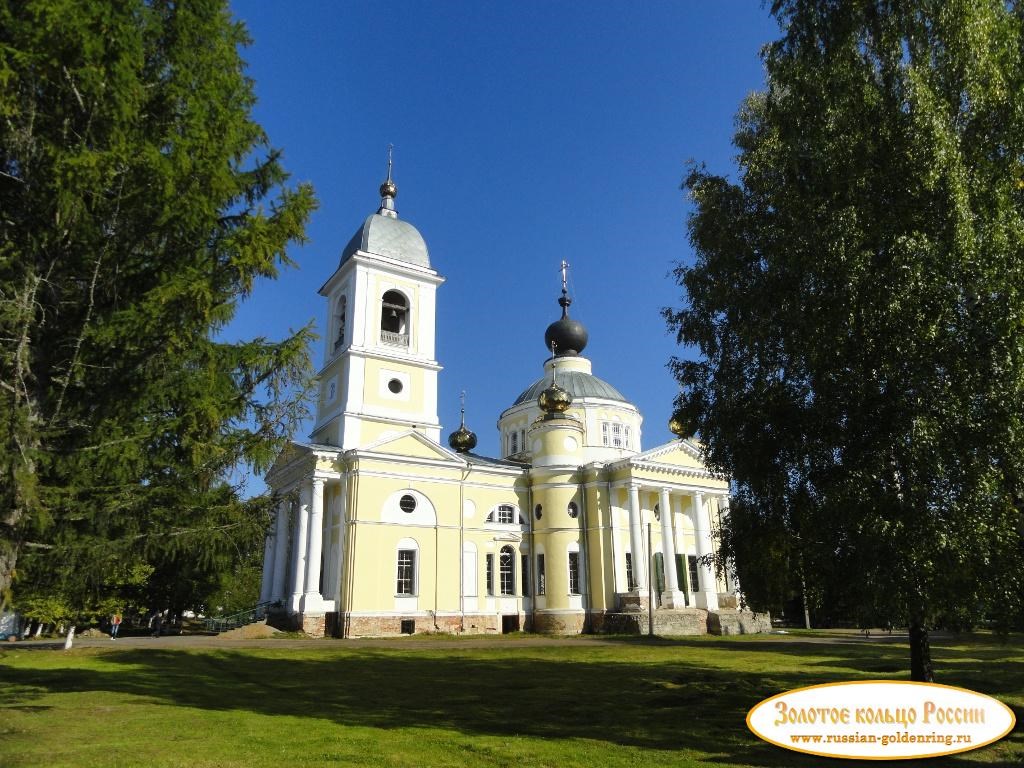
x: 920, y: 654
x: 70, y: 639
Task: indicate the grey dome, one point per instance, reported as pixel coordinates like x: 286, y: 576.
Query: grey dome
x: 577, y: 384
x: 567, y: 337
x: 389, y: 236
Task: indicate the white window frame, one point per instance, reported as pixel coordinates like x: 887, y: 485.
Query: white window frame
x: 412, y: 545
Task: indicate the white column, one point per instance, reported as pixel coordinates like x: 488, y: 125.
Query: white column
x: 299, y: 550
x: 636, y: 541
x: 312, y: 598
x: 707, y: 594
x: 734, y: 582
x: 280, y: 550
x: 672, y: 597
x: 267, y: 583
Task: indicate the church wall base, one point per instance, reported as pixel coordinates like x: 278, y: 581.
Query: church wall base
x: 559, y: 623
x: 313, y: 624
x: 733, y: 622
x: 352, y: 626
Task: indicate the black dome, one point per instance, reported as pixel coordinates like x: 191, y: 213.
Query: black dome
x: 566, y: 336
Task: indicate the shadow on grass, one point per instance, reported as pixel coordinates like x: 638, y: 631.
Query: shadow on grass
x: 665, y: 704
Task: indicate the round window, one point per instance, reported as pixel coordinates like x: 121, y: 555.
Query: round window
x: 407, y: 503
x: 572, y: 509
x: 395, y: 386
x: 538, y: 511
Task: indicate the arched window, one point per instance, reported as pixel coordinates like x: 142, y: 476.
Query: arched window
x: 339, y: 321
x: 394, y: 319
x: 507, y: 570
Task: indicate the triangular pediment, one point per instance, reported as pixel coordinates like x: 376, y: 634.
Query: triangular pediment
x: 677, y: 453
x: 411, y: 444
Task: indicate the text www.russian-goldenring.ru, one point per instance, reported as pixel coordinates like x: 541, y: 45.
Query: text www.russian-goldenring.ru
x: 884, y: 740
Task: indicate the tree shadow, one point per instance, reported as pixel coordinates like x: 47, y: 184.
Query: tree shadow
x: 664, y: 706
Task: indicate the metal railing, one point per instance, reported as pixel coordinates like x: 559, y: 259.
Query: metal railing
x: 235, y: 620
x: 394, y: 339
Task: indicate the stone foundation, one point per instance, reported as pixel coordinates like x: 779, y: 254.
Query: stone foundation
x: 385, y: 626
x: 727, y: 601
x: 313, y: 624
x: 733, y: 622
x: 559, y: 623
x: 685, y: 621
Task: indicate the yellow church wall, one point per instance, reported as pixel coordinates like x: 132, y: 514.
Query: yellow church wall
x: 376, y: 394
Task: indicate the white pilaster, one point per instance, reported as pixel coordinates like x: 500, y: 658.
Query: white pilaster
x: 301, y: 544
x: 332, y: 589
x: 636, y: 541
x: 707, y: 594
x: 267, y: 583
x: 312, y: 599
x: 280, y: 550
x: 671, y: 597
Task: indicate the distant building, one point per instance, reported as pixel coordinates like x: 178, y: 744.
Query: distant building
x: 381, y: 529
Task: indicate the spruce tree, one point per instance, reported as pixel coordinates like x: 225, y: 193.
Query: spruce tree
x: 139, y: 204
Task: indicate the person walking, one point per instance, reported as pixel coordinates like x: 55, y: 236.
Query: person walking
x: 115, y: 625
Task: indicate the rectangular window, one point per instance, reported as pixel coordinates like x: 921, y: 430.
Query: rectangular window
x: 694, y: 579
x: 614, y: 434
x: 629, y: 571
x: 681, y: 572
x: 574, y: 573
x: 513, y: 442
x: 506, y: 514
x: 406, y: 582
x: 541, y: 580
x: 490, y: 574
x: 525, y: 564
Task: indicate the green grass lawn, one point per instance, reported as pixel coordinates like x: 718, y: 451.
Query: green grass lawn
x: 511, y: 701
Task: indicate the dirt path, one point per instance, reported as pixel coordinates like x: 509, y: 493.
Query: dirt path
x: 261, y: 636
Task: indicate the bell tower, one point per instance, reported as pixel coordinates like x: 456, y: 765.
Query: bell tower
x: 379, y: 375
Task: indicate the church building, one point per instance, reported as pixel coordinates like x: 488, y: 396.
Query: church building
x: 382, y: 529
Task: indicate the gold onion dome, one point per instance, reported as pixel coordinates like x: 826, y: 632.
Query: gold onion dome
x: 388, y: 189
x: 554, y: 400
x: 462, y: 440
x: 676, y: 427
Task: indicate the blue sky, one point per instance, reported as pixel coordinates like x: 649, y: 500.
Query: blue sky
x: 524, y: 134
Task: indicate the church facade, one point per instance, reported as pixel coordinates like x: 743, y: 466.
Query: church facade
x: 381, y: 529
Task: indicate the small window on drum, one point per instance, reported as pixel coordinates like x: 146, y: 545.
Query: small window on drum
x: 573, y: 510
x: 407, y: 503
x: 538, y: 511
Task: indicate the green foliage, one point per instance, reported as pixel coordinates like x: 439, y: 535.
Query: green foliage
x: 140, y: 204
x: 858, y: 302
